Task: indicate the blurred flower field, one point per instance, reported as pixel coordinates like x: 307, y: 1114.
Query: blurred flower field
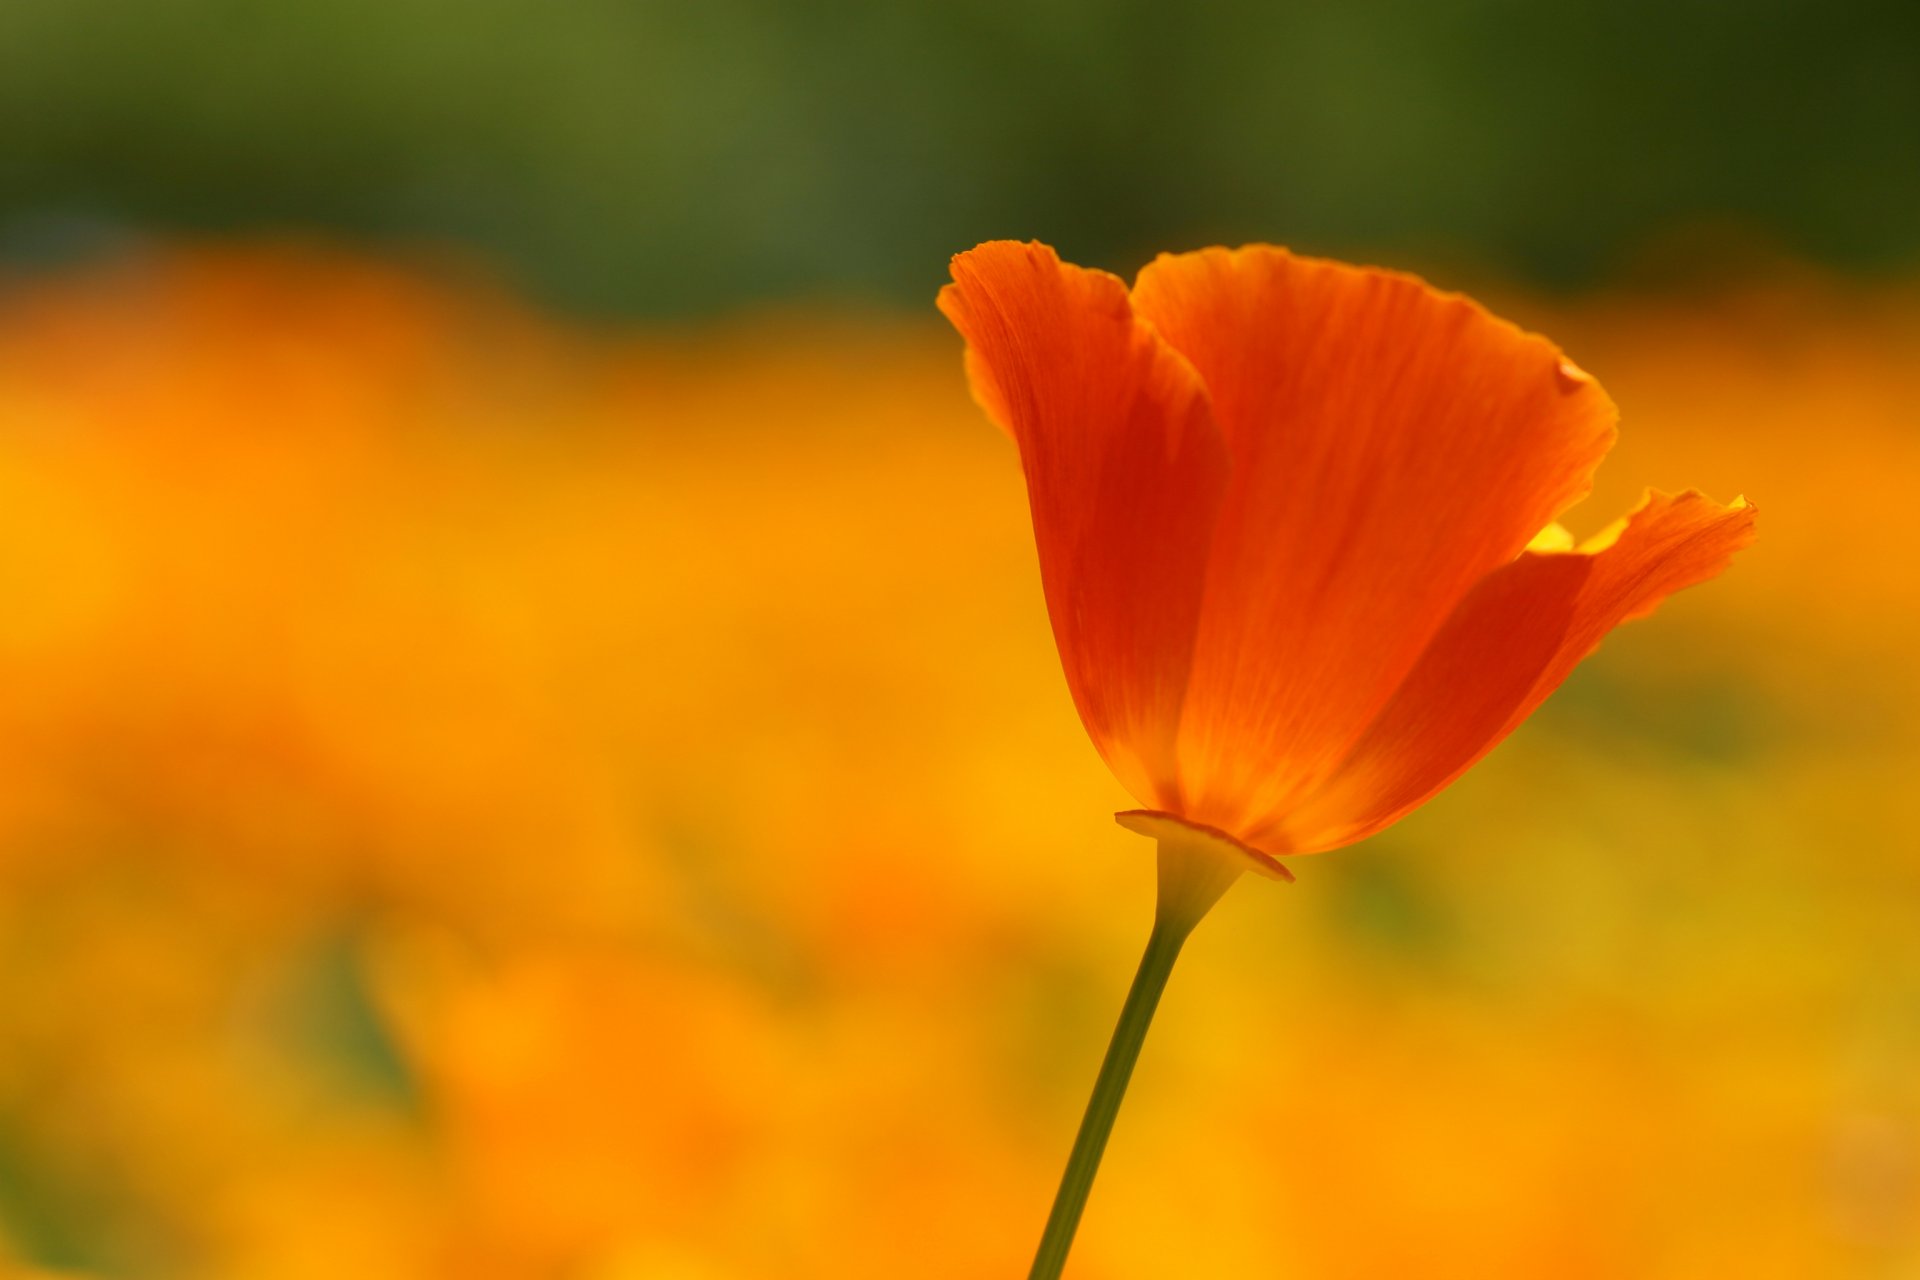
x: 481, y: 797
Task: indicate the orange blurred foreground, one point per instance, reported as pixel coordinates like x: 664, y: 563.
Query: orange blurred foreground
x: 479, y: 799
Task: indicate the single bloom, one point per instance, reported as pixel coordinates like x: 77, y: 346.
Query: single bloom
x: 1296, y: 527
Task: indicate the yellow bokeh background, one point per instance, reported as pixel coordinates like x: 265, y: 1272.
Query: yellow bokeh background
x: 482, y: 796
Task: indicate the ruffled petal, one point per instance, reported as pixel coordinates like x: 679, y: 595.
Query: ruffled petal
x: 1392, y: 445
x: 1126, y: 471
x: 1510, y: 643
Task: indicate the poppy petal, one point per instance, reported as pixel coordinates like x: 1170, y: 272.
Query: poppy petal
x: 1392, y: 445
x: 1510, y: 644
x: 1126, y: 471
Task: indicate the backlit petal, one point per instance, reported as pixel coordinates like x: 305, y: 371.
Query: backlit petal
x: 1509, y: 644
x: 1126, y: 471
x: 1392, y: 445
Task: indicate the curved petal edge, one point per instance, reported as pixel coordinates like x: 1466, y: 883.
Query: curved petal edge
x: 1509, y: 644
x: 1125, y: 469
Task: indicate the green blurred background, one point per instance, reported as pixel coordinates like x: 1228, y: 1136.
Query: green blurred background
x: 668, y: 159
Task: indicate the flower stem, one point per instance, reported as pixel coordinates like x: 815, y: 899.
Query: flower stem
x: 1191, y: 881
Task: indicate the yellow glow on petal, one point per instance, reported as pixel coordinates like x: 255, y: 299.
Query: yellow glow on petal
x: 1553, y: 539
x: 1605, y: 538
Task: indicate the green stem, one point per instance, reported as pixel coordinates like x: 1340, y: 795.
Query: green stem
x: 1191, y: 881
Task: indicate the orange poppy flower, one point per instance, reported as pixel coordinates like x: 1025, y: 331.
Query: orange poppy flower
x: 1290, y: 520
